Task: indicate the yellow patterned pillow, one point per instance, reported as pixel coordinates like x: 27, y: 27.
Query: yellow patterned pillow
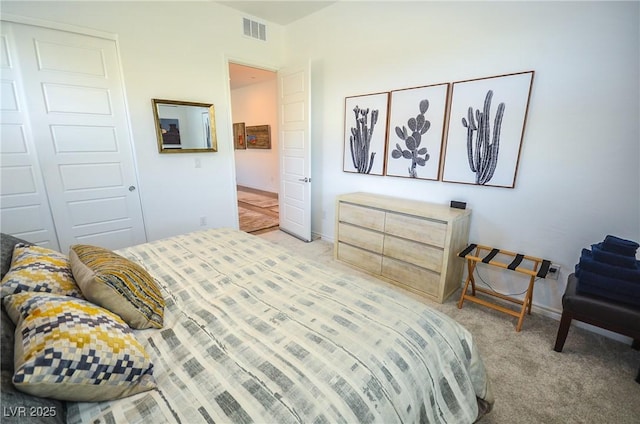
x: 38, y: 269
x: 70, y: 349
x: 117, y: 284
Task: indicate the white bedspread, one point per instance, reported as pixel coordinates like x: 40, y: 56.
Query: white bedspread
x: 254, y: 333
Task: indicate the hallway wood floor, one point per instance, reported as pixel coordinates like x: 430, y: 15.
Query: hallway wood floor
x: 258, y: 210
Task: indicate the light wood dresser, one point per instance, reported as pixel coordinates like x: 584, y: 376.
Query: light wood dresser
x: 409, y: 243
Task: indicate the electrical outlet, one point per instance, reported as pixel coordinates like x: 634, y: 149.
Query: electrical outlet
x: 554, y: 271
x: 203, y: 221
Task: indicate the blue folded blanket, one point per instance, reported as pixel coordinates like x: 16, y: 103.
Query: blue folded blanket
x: 609, y: 288
x: 620, y: 246
x: 600, y: 254
x: 610, y: 270
x: 588, y: 263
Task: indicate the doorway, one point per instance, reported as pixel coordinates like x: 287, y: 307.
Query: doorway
x: 255, y: 122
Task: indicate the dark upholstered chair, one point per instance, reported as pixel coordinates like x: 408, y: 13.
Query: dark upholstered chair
x: 617, y: 317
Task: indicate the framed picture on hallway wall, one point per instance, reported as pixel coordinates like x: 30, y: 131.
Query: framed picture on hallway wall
x: 486, y: 126
x: 239, y: 136
x: 365, y: 131
x: 259, y: 137
x: 416, y: 131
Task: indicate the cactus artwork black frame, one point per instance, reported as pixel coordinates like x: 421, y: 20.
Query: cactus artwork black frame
x: 417, y: 119
x: 487, y: 119
x: 365, y: 130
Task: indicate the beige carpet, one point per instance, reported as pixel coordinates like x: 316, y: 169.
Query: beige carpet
x: 591, y: 381
x: 251, y: 221
x: 256, y: 199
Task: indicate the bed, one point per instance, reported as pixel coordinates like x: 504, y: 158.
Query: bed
x: 254, y: 333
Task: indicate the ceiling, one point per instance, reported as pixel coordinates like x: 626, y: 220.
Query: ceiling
x: 279, y: 12
x: 241, y: 76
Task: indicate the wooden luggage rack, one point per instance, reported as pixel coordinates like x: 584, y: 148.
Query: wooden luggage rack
x: 539, y: 269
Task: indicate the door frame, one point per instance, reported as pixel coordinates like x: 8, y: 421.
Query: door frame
x: 25, y: 20
x: 245, y: 62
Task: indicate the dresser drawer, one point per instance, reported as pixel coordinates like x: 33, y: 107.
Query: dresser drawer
x: 361, y: 237
x: 362, y: 216
x: 415, y: 228
x: 361, y: 258
x: 412, y: 276
x: 420, y: 254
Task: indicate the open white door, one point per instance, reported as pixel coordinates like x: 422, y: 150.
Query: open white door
x: 294, y: 101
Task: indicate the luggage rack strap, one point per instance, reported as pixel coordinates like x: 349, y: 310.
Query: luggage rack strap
x: 490, y: 256
x: 467, y: 250
x: 514, y: 264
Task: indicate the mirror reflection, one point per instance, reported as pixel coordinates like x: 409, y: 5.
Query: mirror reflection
x: 184, y: 127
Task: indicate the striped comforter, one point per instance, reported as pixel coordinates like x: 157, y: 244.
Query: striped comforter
x: 255, y: 334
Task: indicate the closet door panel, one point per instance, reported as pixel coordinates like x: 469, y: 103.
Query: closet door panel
x: 24, y: 207
x: 60, y: 98
x: 76, y: 99
x: 70, y: 59
x: 73, y: 139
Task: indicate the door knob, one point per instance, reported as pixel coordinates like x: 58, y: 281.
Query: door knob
x: 132, y: 188
x: 305, y: 180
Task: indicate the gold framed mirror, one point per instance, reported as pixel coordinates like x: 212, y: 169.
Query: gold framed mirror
x: 184, y: 127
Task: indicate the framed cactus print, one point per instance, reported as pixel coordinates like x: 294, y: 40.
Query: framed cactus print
x: 487, y: 119
x: 365, y: 129
x: 416, y: 131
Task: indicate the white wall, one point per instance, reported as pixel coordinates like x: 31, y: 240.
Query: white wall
x: 176, y: 51
x: 579, y: 175
x: 256, y: 104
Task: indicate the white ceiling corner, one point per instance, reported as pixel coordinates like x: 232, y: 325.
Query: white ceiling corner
x: 279, y: 12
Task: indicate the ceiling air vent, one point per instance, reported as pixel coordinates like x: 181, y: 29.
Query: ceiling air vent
x: 254, y: 29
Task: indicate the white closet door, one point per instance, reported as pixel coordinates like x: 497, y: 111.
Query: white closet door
x: 24, y: 208
x: 76, y: 103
